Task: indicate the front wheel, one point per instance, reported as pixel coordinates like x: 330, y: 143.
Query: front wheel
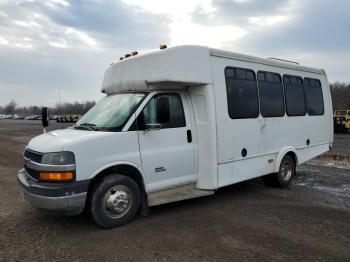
x: 284, y: 175
x: 115, y: 201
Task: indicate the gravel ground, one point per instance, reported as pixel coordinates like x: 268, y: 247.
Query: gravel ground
x: 309, y: 221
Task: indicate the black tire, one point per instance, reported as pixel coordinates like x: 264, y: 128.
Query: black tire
x: 285, y: 174
x: 102, y: 209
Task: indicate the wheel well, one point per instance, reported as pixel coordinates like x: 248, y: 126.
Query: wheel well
x: 126, y: 170
x: 294, y: 156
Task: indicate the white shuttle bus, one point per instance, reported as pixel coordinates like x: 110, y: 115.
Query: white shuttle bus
x: 180, y: 123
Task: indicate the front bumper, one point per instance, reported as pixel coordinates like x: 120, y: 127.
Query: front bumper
x: 64, y: 198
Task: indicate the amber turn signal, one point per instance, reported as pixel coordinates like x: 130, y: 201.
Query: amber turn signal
x: 66, y: 176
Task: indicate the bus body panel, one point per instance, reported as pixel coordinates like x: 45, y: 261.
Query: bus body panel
x: 203, y: 104
x: 264, y: 137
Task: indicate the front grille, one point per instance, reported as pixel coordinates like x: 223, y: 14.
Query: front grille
x: 33, y: 156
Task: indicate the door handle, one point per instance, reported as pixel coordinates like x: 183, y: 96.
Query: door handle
x: 189, y: 136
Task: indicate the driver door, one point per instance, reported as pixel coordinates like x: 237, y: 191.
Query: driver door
x: 165, y: 139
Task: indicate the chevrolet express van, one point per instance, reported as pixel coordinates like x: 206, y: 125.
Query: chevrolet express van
x: 180, y: 123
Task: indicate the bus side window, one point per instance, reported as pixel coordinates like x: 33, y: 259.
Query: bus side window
x: 242, y: 93
x: 294, y: 95
x: 314, y: 96
x: 270, y: 94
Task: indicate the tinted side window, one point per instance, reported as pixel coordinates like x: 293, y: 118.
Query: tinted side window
x: 242, y: 93
x: 270, y: 94
x: 294, y: 93
x: 314, y: 97
x: 177, y: 117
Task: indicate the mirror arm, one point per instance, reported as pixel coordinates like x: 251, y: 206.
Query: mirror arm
x: 151, y: 127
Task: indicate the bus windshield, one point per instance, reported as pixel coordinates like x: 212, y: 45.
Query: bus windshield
x: 110, y: 113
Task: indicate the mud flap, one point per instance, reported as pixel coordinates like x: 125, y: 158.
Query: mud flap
x: 144, y: 207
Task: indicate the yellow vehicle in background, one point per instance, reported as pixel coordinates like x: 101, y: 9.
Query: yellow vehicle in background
x: 68, y: 118
x: 341, y: 120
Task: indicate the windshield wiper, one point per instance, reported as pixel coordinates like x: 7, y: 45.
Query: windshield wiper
x: 87, y: 126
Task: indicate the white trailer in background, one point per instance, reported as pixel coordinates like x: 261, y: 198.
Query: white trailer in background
x: 180, y: 123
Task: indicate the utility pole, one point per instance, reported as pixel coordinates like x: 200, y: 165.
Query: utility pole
x: 60, y: 105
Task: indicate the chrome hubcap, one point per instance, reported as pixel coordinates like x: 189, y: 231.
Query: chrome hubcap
x: 286, y: 170
x: 117, y: 201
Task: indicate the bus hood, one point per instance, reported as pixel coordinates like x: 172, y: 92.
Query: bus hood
x: 56, y: 141
x: 93, y: 150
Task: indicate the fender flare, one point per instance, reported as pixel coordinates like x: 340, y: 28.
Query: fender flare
x: 119, y: 163
x: 281, y: 154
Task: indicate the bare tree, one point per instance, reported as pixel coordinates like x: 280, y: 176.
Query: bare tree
x: 10, y: 108
x: 74, y: 108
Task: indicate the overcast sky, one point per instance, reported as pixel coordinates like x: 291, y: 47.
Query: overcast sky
x: 52, y: 45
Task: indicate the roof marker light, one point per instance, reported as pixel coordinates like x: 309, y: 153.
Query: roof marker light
x: 133, y: 53
x: 162, y: 46
x: 121, y: 58
x: 127, y: 55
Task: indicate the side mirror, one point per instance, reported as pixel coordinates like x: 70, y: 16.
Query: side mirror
x: 163, y: 109
x: 45, y: 117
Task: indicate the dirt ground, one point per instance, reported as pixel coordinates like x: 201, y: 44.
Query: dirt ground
x: 309, y: 221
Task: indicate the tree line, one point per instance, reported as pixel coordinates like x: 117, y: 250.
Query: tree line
x: 76, y: 107
x: 340, y: 97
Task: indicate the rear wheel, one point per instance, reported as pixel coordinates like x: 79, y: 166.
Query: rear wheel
x: 285, y: 174
x: 115, y: 201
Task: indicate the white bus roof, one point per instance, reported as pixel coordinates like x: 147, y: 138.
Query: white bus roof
x: 179, y: 66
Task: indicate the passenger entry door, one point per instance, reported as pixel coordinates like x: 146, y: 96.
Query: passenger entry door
x: 165, y: 137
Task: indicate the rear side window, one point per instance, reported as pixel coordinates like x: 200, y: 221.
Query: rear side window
x: 242, y: 93
x: 314, y: 96
x: 294, y: 93
x: 270, y: 94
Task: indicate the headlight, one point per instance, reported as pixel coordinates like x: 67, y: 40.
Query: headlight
x: 61, y: 158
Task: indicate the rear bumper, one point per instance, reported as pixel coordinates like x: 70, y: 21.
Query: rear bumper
x: 63, y: 198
